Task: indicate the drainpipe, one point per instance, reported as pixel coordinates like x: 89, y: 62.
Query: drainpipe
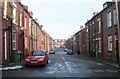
x: 116, y: 2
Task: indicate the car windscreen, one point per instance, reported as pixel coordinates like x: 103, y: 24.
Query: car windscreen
x: 38, y: 53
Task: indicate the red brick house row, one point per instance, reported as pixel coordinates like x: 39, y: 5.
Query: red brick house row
x: 19, y: 31
x: 103, y: 33
x: 0, y: 32
x: 99, y: 38
x: 59, y: 43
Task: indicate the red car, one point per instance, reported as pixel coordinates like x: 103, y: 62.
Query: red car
x: 37, y: 57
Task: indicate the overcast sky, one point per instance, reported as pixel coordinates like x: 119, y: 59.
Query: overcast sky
x: 62, y: 18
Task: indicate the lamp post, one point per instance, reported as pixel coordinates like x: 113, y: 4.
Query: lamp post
x: 116, y: 2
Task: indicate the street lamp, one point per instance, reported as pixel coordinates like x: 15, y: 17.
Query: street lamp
x: 116, y: 2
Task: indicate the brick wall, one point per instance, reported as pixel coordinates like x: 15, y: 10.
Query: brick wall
x: 0, y: 32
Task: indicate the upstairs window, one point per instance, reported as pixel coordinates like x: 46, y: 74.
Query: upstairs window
x: 20, y: 19
x: 14, y: 12
x: 109, y: 19
x: 29, y: 23
x: 86, y: 28
x: 5, y: 8
x: 99, y: 25
x: 115, y: 16
x: 25, y: 24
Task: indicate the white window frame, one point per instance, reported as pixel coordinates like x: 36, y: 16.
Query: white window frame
x: 5, y: 9
x: 86, y: 28
x: 110, y: 43
x: 25, y: 24
x: 99, y: 25
x: 115, y: 16
x: 14, y: 13
x: 5, y: 34
x: 14, y: 41
x: 99, y: 45
x: 30, y: 23
x: 21, y: 19
x: 109, y: 19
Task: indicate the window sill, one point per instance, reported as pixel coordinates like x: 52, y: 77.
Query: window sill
x: 110, y: 51
x: 109, y: 27
x: 115, y: 25
x: 5, y: 18
x: 99, y: 32
x: 14, y: 49
x: 14, y: 23
x: 99, y: 51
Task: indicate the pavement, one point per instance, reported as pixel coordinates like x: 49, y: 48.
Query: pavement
x: 101, y: 60
x: 10, y: 66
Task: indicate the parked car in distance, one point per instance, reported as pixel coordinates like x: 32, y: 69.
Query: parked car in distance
x: 70, y: 52
x: 65, y: 49
x: 52, y: 52
x: 37, y: 57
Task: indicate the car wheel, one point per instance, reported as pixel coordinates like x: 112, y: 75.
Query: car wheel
x: 45, y: 64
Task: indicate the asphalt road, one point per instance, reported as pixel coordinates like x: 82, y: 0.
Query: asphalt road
x: 62, y: 65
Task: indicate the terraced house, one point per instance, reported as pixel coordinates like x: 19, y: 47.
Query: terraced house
x: 99, y: 38
x: 21, y: 33
x: 103, y: 32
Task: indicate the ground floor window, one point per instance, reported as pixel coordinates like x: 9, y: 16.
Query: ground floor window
x: 109, y: 43
x: 14, y: 41
x: 5, y: 45
x: 98, y: 45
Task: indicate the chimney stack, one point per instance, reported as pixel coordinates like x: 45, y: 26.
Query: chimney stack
x: 95, y: 13
x: 81, y: 27
x: 31, y: 13
x: 26, y: 7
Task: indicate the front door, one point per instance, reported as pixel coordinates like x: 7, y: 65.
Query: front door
x: 4, y: 45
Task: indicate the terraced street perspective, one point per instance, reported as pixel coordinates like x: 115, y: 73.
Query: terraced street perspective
x: 69, y: 66
x: 60, y: 39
